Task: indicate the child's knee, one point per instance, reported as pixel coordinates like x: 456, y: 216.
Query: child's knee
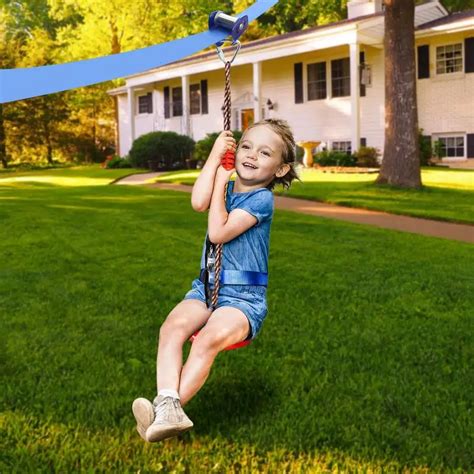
x: 207, y: 343
x: 173, y: 330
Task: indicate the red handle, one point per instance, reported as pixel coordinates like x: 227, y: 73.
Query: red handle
x: 228, y: 160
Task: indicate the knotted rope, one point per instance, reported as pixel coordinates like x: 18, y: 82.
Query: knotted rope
x: 228, y: 163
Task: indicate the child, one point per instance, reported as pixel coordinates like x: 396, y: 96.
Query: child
x: 265, y: 157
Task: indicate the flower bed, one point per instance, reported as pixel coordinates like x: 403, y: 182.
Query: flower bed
x: 345, y: 169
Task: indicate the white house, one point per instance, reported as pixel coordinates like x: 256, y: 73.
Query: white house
x: 326, y: 81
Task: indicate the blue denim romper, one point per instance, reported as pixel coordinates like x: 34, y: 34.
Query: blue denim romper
x: 247, y: 251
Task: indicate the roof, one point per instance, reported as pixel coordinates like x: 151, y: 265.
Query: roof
x: 272, y: 39
x: 291, y: 34
x: 451, y: 18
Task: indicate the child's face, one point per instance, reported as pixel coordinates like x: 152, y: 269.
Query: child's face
x: 259, y: 156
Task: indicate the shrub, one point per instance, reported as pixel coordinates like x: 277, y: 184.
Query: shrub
x: 425, y: 148
x: 161, y: 151
x: 204, y: 146
x: 334, y: 158
x: 438, y: 149
x: 118, y: 162
x: 366, y: 156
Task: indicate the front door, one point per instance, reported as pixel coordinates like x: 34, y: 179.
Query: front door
x: 247, y: 118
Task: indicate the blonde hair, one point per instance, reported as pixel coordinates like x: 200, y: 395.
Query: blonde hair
x: 283, y: 130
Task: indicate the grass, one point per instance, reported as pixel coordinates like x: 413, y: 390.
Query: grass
x: 84, y: 175
x: 364, y: 363
x: 447, y: 194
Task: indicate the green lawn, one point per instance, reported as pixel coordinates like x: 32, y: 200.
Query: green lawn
x: 447, y: 194
x: 364, y: 363
x: 86, y: 175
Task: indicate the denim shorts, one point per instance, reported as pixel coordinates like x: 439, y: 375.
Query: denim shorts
x: 250, y: 299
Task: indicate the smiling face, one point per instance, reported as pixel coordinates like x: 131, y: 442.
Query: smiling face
x: 259, y: 157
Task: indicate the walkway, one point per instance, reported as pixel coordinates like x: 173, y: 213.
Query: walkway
x: 433, y: 228
x: 139, y: 178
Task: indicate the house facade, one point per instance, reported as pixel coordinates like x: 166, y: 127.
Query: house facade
x: 327, y: 82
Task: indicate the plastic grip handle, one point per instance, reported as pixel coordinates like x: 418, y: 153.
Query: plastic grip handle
x: 228, y: 160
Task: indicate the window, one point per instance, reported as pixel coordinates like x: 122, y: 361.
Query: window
x: 195, y: 98
x: 342, y: 146
x: 340, y: 77
x: 145, y: 104
x: 316, y: 81
x: 451, y: 146
x: 177, y: 101
x: 449, y: 58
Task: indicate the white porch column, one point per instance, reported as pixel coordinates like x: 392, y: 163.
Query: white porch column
x: 185, y: 122
x: 257, y: 91
x: 355, y: 102
x: 131, y: 115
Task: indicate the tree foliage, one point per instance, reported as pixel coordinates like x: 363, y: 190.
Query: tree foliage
x: 80, y: 122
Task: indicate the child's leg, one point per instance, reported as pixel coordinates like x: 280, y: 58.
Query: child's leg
x: 183, y: 321
x: 226, y: 326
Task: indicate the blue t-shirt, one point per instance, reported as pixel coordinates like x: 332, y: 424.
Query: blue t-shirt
x: 249, y: 250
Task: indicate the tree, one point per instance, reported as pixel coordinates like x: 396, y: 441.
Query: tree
x: 401, y: 163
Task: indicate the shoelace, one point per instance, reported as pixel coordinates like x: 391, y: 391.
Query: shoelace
x: 169, y: 410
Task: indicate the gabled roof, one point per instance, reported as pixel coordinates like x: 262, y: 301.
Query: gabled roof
x: 369, y: 21
x: 451, y: 18
x: 298, y: 33
x: 283, y: 36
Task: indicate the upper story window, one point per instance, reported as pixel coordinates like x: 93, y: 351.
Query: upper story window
x: 316, y: 81
x: 340, y: 77
x: 145, y: 104
x: 449, y: 58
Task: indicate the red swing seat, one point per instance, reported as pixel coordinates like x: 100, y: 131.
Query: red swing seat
x: 228, y: 348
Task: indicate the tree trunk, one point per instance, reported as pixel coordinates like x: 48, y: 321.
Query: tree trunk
x: 49, y: 147
x: 3, y: 148
x: 401, y: 163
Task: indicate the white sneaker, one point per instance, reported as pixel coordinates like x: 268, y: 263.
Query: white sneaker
x: 144, y: 414
x: 170, y: 420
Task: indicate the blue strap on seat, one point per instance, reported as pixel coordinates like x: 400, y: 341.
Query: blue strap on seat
x: 237, y: 277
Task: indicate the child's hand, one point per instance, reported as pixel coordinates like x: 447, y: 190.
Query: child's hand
x: 224, y: 142
x: 223, y: 174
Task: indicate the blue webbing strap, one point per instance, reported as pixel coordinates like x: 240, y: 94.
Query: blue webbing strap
x: 237, y: 277
x: 23, y: 83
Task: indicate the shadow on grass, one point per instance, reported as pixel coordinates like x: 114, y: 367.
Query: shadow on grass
x: 233, y: 402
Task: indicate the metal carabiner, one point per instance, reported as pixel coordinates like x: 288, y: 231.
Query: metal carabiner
x: 221, y: 53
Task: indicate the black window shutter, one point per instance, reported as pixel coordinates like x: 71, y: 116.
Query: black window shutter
x: 423, y: 61
x: 150, y: 103
x: 363, y: 142
x: 362, y: 86
x: 167, y: 102
x: 204, y: 102
x: 469, y: 54
x: 470, y: 145
x: 298, y: 83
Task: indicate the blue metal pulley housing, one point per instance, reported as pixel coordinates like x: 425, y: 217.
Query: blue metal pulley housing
x: 235, y: 26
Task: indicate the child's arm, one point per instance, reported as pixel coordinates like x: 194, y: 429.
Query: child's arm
x: 204, y: 185
x: 224, y: 226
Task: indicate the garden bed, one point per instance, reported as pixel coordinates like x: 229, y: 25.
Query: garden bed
x: 345, y: 169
